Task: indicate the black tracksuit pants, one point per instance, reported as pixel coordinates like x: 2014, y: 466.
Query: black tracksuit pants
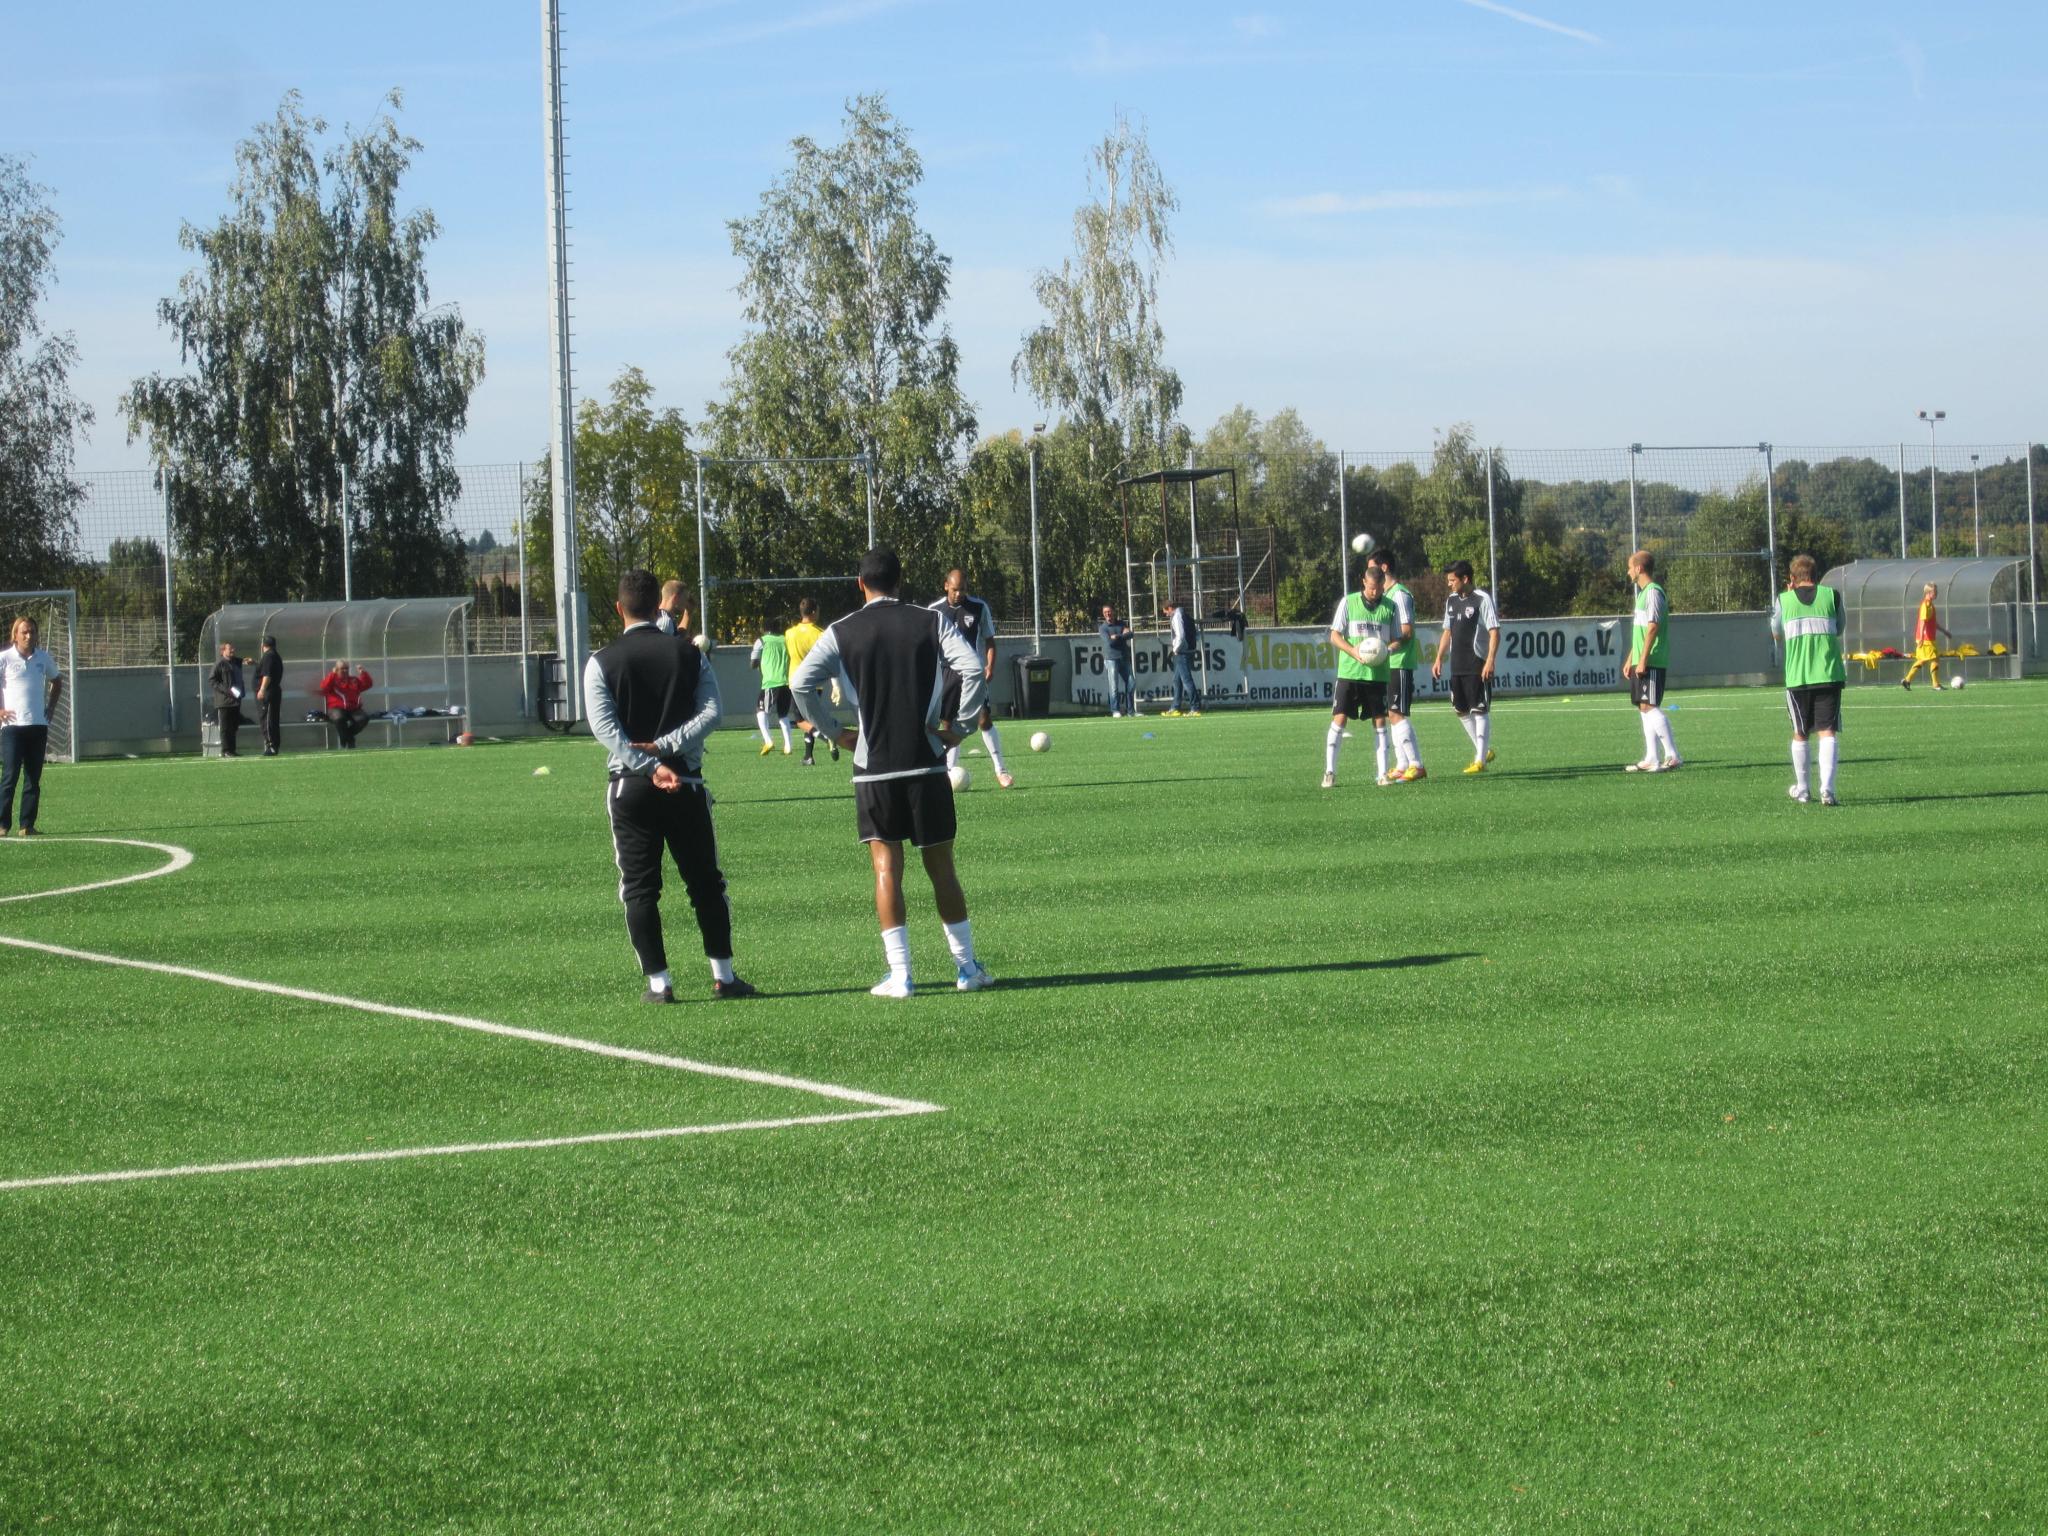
x: 645, y: 820
x: 23, y: 749
x: 267, y: 712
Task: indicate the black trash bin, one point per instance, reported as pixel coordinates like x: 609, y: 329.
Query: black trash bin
x: 1034, y: 686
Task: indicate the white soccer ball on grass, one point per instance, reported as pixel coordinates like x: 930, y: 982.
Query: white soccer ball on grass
x: 1361, y: 543
x: 1040, y: 741
x: 959, y: 777
x: 1956, y: 681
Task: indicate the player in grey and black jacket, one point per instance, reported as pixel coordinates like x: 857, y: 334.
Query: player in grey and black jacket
x: 894, y: 664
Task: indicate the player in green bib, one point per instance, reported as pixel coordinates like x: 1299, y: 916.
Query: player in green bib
x: 770, y: 656
x: 1401, y: 675
x: 1808, y: 619
x: 1649, y: 652
x: 1365, y: 625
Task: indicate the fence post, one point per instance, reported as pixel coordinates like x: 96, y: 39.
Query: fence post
x: 1492, y: 555
x: 170, y: 632
x: 1343, y: 533
x: 1770, y: 522
x: 2033, y: 566
x: 1635, y: 541
x: 525, y: 646
x: 1037, y: 630
x: 1902, y: 501
x: 703, y: 582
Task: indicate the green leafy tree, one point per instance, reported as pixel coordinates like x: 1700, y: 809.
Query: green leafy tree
x: 634, y: 503
x: 1099, y: 358
x: 40, y: 419
x: 846, y: 354
x: 314, y: 346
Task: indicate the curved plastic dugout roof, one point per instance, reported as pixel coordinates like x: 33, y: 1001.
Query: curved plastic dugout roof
x: 1977, y: 599
x: 383, y: 627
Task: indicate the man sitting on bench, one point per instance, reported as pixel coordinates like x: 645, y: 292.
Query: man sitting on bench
x: 343, y: 691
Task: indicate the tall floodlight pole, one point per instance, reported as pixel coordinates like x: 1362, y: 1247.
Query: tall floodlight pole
x: 170, y: 628
x: 1902, y: 501
x: 1634, y: 542
x: 1344, y: 577
x: 1933, y: 506
x: 867, y: 464
x: 703, y: 566
x: 1770, y: 523
x: 1976, y: 513
x: 1037, y: 643
x: 572, y: 612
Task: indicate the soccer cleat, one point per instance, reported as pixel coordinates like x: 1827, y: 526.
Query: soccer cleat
x: 31, y: 832
x: 3, y: 831
x: 1384, y: 780
x: 1475, y: 767
x: 835, y: 750
x: 1827, y: 797
x: 890, y: 986
x: 1489, y: 754
x: 1647, y: 765
x: 767, y: 747
x: 1798, y: 794
x: 1907, y: 684
x: 722, y: 990
x: 785, y: 751
x: 1170, y: 714
x: 1116, y: 714
x: 665, y: 995
x: 1329, y: 781
x: 1006, y: 779
x: 1672, y: 763
x: 1413, y: 772
x: 973, y: 977
x: 1196, y: 713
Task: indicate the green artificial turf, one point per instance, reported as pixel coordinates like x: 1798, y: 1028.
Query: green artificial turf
x: 1552, y: 1150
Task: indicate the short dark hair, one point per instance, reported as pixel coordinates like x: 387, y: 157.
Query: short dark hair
x: 1646, y: 560
x: 1461, y: 568
x: 1382, y: 559
x: 807, y: 607
x: 270, y: 642
x: 639, y: 594
x: 881, y: 571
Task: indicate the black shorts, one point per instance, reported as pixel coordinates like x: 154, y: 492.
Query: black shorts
x: 949, y: 704
x: 1401, y: 691
x: 1470, y: 693
x: 917, y: 810
x: 777, y: 703
x: 1357, y: 699
x: 1818, y: 708
x: 1647, y: 686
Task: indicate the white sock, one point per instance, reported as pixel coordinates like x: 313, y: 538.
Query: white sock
x: 1662, y: 722
x: 1332, y: 741
x: 721, y: 970
x: 1830, y: 753
x: 993, y: 744
x: 1649, y: 737
x: 1482, y: 733
x: 960, y: 940
x: 1379, y: 750
x: 1404, y: 736
x: 1470, y: 723
x: 952, y: 757
x: 657, y: 981
x: 896, y: 946
x: 761, y: 720
x: 785, y: 733
x: 1799, y: 764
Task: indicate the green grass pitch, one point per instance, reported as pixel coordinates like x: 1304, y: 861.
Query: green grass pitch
x: 1552, y: 1150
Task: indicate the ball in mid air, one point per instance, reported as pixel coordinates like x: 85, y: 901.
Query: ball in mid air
x: 1372, y: 650
x: 1361, y: 543
x: 1040, y: 741
x: 959, y: 777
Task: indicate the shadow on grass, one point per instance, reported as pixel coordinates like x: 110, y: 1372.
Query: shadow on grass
x: 1982, y: 794
x: 1221, y: 970
x: 1692, y: 765
x: 847, y: 792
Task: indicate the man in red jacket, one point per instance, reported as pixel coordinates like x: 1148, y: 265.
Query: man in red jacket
x: 343, y: 690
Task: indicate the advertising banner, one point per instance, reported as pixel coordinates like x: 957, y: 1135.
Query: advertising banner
x: 1299, y: 666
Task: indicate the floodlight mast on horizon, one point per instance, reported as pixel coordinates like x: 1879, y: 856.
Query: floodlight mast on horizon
x: 1976, y: 513
x: 1933, y: 506
x: 1037, y: 643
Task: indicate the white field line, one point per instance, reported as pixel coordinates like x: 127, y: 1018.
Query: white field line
x: 881, y: 1105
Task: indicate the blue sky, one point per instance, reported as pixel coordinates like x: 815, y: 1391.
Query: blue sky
x: 1574, y: 223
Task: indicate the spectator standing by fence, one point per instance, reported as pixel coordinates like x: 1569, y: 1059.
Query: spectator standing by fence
x: 269, y: 693
x: 1116, y: 662
x: 342, y: 691
x: 30, y: 686
x: 1184, y: 636
x: 225, y: 682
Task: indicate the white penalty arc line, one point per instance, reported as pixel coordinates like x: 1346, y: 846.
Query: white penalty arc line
x: 881, y: 1106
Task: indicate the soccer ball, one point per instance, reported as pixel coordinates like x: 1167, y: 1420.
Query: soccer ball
x: 1361, y: 543
x: 1372, y: 650
x: 959, y: 777
x: 1040, y: 741
x: 1956, y: 681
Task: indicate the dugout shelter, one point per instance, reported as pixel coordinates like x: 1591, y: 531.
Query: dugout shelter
x: 1977, y: 600
x: 416, y: 650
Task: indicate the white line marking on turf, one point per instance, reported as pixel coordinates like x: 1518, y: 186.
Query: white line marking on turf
x: 883, y: 1106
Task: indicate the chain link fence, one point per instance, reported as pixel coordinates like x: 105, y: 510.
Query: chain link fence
x: 1549, y: 530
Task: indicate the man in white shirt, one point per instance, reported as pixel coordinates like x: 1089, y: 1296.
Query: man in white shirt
x: 30, y: 686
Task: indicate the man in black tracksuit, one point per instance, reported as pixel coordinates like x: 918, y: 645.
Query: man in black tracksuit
x: 894, y: 662
x: 652, y: 700
x: 225, y: 681
x: 269, y: 693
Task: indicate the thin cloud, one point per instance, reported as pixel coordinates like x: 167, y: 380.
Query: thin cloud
x: 1535, y: 21
x: 1326, y: 204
